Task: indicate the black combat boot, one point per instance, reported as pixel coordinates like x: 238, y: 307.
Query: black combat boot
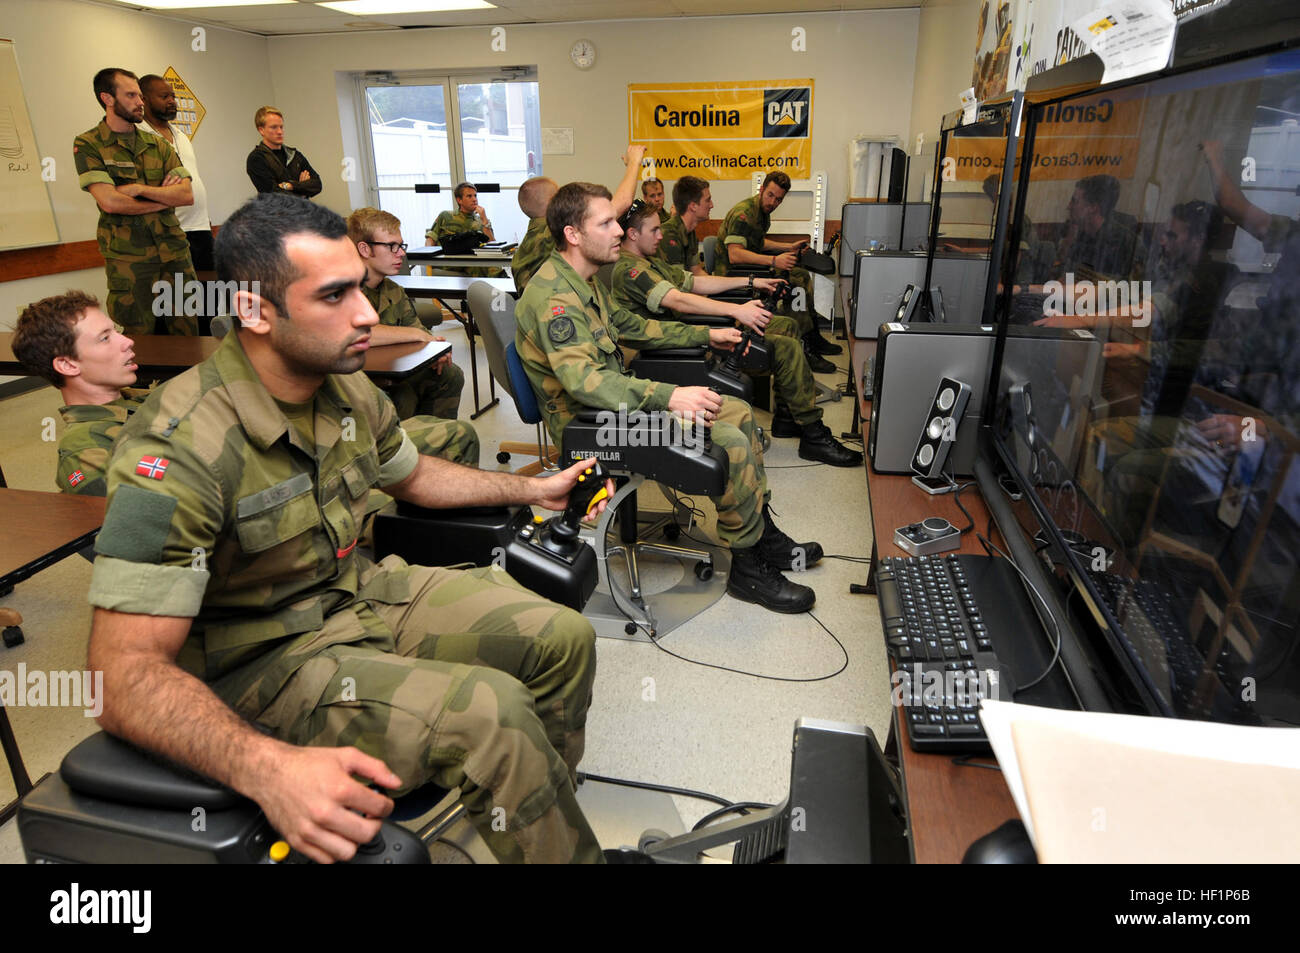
x: 821, y: 345
x: 783, y: 423
x: 816, y: 443
x: 817, y: 363
x: 754, y: 579
x: 782, y: 551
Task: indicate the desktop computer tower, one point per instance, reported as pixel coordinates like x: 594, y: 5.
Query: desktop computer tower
x: 911, y: 359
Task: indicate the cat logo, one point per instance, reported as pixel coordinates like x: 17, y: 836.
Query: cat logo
x: 787, y: 113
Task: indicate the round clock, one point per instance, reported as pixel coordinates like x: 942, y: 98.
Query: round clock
x: 583, y: 54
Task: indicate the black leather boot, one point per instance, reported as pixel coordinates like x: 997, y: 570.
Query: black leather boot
x: 754, y: 579
x: 823, y: 346
x: 783, y: 423
x: 782, y: 551
x: 816, y: 362
x: 816, y: 443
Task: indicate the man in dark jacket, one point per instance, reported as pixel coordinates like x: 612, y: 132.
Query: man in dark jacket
x: 273, y: 165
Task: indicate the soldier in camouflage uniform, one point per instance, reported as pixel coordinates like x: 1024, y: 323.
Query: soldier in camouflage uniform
x: 228, y: 587
x: 692, y: 204
x: 468, y: 217
x: 433, y: 391
x: 652, y: 190
x: 136, y: 179
x: 535, y: 194
x: 648, y: 287
x: 743, y: 240
x: 570, y: 336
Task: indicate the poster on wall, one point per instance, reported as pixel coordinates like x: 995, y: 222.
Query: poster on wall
x: 189, y: 111
x: 724, y: 130
x: 993, y: 49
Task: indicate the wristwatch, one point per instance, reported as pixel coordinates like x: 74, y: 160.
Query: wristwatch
x: 751, y: 282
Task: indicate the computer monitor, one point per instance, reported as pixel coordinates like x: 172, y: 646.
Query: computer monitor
x: 1158, y: 491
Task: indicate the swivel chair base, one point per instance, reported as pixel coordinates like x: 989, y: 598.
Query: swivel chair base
x: 630, y: 603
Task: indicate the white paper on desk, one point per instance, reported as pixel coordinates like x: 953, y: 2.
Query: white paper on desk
x: 1234, y: 774
x: 1132, y: 37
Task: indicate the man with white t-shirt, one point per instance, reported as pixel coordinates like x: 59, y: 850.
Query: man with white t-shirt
x: 159, y: 111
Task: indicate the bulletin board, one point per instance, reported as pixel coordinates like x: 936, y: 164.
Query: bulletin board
x: 26, y: 215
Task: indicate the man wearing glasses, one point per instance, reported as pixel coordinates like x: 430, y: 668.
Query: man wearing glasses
x: 434, y: 391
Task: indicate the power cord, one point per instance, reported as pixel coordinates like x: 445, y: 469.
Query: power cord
x: 991, y: 548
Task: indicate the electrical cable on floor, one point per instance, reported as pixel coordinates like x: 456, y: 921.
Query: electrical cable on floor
x: 650, y: 786
x: 744, y: 807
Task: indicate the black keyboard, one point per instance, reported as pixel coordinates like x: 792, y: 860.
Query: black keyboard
x: 937, y: 634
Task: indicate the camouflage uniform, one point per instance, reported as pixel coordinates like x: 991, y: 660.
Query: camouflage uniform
x: 747, y: 225
x: 663, y: 214
x: 569, y: 336
x: 535, y: 248
x: 426, y: 392
x: 138, y: 250
x: 221, y: 511
x: 680, y: 246
x: 87, y: 442
x: 454, y: 223
x: 640, y: 284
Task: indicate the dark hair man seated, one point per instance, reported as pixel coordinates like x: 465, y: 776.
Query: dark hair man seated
x: 646, y: 285
x: 68, y: 340
x: 742, y: 240
x: 570, y: 339
x: 229, y: 589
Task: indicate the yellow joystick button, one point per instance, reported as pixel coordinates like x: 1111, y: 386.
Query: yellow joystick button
x: 538, y: 520
x: 279, y: 851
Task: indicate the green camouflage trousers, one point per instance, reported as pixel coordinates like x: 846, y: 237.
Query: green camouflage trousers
x: 740, y: 508
x: 475, y: 683
x: 802, y: 280
x: 454, y: 440
x: 790, y: 371
x: 131, y: 295
x: 428, y: 393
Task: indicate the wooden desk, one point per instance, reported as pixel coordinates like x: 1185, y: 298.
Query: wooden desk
x: 36, y: 530
x: 447, y: 288
x: 165, y: 355
x: 948, y: 806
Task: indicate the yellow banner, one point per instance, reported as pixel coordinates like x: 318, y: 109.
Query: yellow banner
x: 724, y: 130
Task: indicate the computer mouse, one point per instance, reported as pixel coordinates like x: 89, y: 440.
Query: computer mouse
x: 1009, y: 844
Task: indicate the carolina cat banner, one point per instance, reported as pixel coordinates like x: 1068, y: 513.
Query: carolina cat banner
x: 724, y: 130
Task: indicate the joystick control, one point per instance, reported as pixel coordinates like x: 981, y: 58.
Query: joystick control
x: 589, y: 490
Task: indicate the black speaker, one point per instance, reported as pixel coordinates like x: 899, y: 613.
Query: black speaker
x: 940, y: 430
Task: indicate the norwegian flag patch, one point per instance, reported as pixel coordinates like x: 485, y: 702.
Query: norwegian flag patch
x: 75, y: 477
x: 633, y: 273
x: 557, y: 310
x: 152, y: 467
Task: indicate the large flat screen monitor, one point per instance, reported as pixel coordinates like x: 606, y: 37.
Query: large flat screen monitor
x: 1161, y: 489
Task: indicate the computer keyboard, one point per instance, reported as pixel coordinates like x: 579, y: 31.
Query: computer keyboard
x: 936, y: 631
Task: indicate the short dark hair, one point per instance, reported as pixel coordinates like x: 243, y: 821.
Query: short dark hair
x: 464, y: 187
x: 530, y: 195
x: 48, y: 329
x: 636, y: 215
x: 1101, y: 190
x: 1204, y: 220
x: 250, y: 245
x: 150, y: 78
x: 688, y: 190
x: 780, y: 178
x: 650, y: 181
x: 106, y: 82
x: 569, y: 207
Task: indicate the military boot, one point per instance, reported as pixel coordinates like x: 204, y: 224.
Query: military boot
x: 816, y: 443
x: 821, y: 345
x: 783, y: 552
x: 783, y: 422
x: 817, y: 363
x: 754, y: 579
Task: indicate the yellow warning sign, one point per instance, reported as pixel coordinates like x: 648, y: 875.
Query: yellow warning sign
x: 189, y: 111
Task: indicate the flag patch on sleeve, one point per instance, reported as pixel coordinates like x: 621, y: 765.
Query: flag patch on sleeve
x: 75, y: 477
x: 557, y: 310
x: 153, y: 467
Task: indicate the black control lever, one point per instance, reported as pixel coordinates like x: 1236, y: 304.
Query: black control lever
x: 589, y: 491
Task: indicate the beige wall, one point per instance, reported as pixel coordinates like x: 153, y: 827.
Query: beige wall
x: 62, y: 44
x: 945, y: 59
x: 862, y: 64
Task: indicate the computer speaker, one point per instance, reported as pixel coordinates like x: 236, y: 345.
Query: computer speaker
x: 940, y: 430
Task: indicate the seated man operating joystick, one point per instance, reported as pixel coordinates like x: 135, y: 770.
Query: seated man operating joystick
x: 569, y: 338
x: 647, y: 285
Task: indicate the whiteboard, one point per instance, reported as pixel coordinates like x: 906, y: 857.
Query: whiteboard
x: 26, y: 215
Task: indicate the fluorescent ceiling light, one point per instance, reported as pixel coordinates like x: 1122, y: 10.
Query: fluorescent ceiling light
x: 195, y: 4
x: 364, y: 8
